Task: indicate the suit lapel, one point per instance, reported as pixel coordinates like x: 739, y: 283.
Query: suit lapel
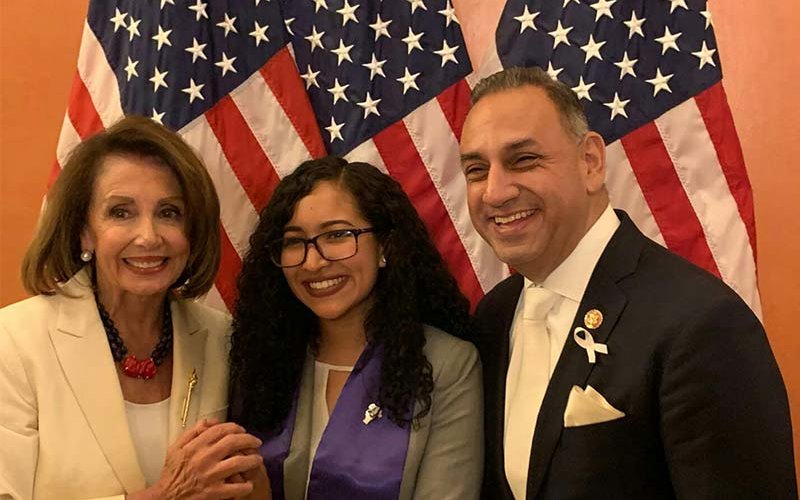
x: 188, y: 354
x: 85, y: 357
x: 495, y: 318
x: 602, y: 293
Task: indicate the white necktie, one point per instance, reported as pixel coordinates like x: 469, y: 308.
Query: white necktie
x: 526, y: 382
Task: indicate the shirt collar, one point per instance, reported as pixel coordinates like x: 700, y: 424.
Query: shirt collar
x: 572, y: 276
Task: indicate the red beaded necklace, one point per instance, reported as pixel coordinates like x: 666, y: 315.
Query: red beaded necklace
x: 131, y: 366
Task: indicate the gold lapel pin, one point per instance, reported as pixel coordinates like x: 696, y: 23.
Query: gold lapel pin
x: 189, y: 388
x: 593, y: 319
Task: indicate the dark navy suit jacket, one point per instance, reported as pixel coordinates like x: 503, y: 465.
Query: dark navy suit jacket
x: 688, y: 363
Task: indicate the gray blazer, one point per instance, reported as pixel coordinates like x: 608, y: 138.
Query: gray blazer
x: 445, y: 450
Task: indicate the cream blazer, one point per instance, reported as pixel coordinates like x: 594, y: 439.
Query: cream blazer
x: 63, y: 427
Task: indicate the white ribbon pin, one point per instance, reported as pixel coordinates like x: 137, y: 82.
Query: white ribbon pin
x: 587, y: 342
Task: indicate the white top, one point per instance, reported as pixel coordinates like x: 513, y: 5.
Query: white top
x: 568, y: 281
x: 148, y: 424
x: 319, y: 408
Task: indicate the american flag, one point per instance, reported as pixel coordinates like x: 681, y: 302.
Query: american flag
x: 259, y: 86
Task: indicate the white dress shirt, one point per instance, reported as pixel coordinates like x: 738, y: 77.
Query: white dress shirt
x: 568, y: 281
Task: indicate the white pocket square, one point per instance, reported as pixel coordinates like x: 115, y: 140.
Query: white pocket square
x: 586, y: 407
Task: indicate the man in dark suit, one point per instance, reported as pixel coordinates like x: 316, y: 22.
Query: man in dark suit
x: 612, y: 368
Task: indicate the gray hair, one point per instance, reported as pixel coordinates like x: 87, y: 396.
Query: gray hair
x: 569, y: 107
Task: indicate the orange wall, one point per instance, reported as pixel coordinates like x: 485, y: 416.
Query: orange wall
x: 38, y: 56
x: 760, y: 62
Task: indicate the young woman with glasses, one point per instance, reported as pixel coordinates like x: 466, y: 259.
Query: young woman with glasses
x: 340, y: 361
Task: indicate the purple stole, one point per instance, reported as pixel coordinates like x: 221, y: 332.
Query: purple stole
x: 354, y: 460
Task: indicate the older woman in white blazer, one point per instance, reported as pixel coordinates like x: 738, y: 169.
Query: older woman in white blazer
x: 112, y: 379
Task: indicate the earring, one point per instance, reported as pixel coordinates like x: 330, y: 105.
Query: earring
x: 382, y: 261
x: 86, y: 255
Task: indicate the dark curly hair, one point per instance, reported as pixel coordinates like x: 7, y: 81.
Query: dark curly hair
x: 273, y: 330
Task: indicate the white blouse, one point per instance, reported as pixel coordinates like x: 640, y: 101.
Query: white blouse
x: 148, y: 424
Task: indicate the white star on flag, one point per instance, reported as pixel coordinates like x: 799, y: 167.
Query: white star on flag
x: 199, y: 9
x: 412, y: 40
x: 162, y: 37
x: 592, y: 49
x: 320, y: 4
x: 674, y: 4
x: 626, y: 66
x: 194, y: 91
x: 381, y: 27
x: 660, y: 82
x: 415, y: 4
x: 310, y: 77
x: 197, y: 50
x: 582, y: 89
x: 450, y: 14
x: 130, y: 69
x: 617, y: 106
x: 370, y: 106
x: 560, y: 35
x: 259, y: 33
x: 526, y: 20
x: 705, y: 55
x: 133, y: 28
x: 348, y: 13
x: 118, y: 19
x: 226, y: 64
x: 228, y: 25
x: 668, y: 41
x: 288, y: 24
x: 335, y: 129
x: 315, y: 38
x: 553, y: 72
x: 158, y: 79
x: 635, y: 26
x: 707, y: 14
x: 156, y: 117
x: 447, y: 53
x: 375, y: 67
x: 338, y: 91
x: 343, y: 53
x: 409, y: 81
x: 603, y: 8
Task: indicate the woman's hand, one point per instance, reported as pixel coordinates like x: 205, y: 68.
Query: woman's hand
x: 200, y: 461
x: 262, y: 490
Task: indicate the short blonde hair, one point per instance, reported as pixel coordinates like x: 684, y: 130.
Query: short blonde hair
x: 53, y: 256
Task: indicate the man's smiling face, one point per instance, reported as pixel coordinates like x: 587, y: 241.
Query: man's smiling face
x: 530, y: 181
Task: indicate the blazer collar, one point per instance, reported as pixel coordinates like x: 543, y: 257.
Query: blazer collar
x: 296, y: 465
x: 85, y: 357
x: 618, y: 261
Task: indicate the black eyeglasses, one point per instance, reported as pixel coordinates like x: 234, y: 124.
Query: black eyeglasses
x: 338, y: 244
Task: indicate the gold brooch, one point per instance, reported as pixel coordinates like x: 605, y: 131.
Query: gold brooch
x: 188, y: 399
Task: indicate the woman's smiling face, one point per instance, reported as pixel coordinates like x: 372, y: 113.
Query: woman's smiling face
x: 333, y: 290
x: 136, y: 227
